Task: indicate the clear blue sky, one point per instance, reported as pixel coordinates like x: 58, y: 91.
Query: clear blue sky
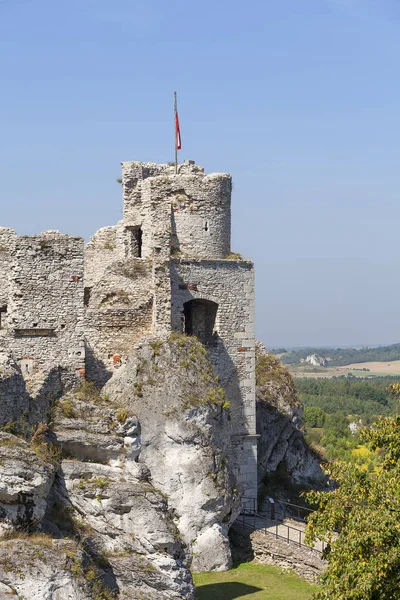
x: 298, y: 99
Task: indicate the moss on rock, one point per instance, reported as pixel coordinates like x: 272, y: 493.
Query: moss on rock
x: 184, y: 359
x: 273, y: 381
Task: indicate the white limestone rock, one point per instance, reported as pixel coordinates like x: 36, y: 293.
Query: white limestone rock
x: 125, y: 521
x: 212, y: 550
x: 185, y: 438
x: 39, y: 568
x: 316, y: 360
x: 25, y: 481
x: 109, y: 504
x: 90, y: 428
x: 279, y: 414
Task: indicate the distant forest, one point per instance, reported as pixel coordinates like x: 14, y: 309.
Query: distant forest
x: 363, y: 398
x: 340, y: 357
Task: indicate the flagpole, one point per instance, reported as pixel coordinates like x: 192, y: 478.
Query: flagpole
x: 176, y: 148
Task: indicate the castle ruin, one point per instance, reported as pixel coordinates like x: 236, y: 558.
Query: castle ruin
x: 167, y: 266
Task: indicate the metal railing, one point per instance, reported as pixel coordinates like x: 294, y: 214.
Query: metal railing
x: 249, y: 505
x: 249, y: 517
x: 294, y: 511
x: 277, y: 509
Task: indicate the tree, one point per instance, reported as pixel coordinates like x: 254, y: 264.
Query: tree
x: 336, y: 426
x: 360, y: 521
x: 314, y: 416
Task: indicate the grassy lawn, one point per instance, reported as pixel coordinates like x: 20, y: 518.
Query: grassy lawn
x: 252, y: 582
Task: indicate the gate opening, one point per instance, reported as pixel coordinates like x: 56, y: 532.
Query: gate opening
x: 200, y: 317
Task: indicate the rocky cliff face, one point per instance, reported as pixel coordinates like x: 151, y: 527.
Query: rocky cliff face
x: 316, y: 360
x: 279, y: 412
x: 115, y: 494
x: 184, y: 416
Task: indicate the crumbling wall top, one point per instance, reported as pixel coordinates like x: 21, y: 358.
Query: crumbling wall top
x: 143, y: 170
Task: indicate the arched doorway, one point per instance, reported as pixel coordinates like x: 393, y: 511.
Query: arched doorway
x: 200, y: 317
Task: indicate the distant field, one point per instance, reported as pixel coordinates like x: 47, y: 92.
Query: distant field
x: 341, y: 357
x: 365, y: 369
x: 381, y: 368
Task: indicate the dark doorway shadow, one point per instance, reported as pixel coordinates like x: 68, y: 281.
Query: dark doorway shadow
x: 241, y: 546
x: 225, y: 591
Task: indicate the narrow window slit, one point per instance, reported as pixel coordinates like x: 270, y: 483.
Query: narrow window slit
x: 134, y: 242
x: 3, y: 316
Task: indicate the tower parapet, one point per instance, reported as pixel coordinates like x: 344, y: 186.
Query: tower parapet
x: 199, y: 207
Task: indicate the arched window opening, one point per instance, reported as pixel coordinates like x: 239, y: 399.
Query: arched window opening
x: 200, y: 317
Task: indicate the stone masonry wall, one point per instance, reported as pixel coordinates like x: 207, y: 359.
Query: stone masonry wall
x: 199, y: 208
x: 248, y: 545
x: 134, y: 173
x: 229, y: 284
x: 7, y: 241
x: 100, y: 252
x: 45, y: 310
x: 201, y: 215
x: 118, y: 312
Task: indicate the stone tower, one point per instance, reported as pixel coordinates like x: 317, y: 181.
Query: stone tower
x: 179, y: 227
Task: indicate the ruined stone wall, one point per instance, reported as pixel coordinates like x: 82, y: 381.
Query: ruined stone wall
x: 45, y: 306
x: 118, y: 313
x: 14, y: 400
x: 264, y: 548
x: 134, y: 173
x: 100, y: 252
x: 231, y: 346
x: 198, y: 222
x: 7, y: 241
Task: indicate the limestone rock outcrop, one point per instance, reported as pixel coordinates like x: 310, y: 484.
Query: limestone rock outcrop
x: 279, y: 424
x: 79, y: 516
x: 25, y: 482
x: 125, y: 525
x: 38, y: 567
x: 122, y: 489
x: 316, y: 360
x: 185, y: 435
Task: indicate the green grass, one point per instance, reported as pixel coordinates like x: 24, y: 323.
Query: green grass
x: 364, y: 374
x: 252, y: 582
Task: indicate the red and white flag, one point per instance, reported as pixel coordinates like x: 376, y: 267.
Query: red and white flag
x: 178, y: 141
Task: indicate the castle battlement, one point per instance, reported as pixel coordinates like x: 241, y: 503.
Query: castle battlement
x: 167, y: 266
x: 198, y: 207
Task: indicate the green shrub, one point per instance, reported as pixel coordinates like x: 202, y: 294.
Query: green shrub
x: 314, y: 416
x: 89, y: 392
x: 68, y: 410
